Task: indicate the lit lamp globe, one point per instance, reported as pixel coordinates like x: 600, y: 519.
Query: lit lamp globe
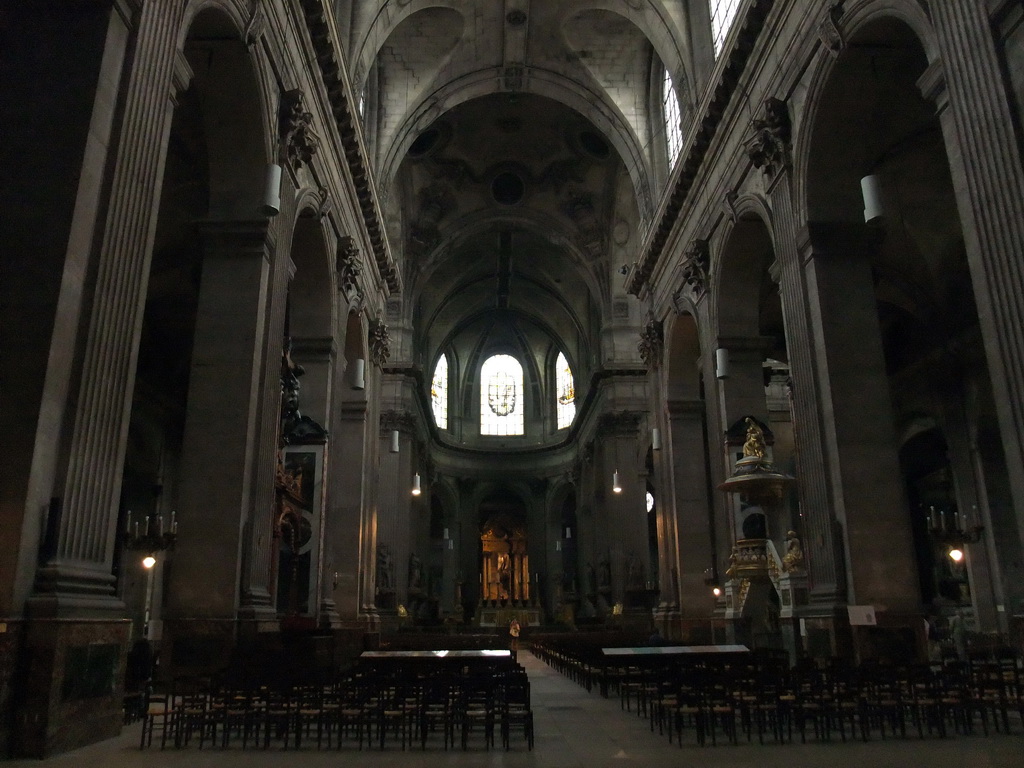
x: 148, y: 562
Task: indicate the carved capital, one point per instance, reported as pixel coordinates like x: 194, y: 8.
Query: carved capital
x: 696, y: 262
x: 403, y: 421
x: 380, y: 343
x: 298, y: 139
x: 619, y: 422
x: 652, y: 342
x: 768, y: 145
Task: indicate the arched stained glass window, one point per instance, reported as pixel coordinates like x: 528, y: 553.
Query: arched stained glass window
x: 723, y: 13
x: 565, y: 404
x: 501, y: 396
x: 673, y: 127
x: 439, y: 393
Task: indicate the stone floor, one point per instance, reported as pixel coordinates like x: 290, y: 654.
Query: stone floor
x: 576, y: 729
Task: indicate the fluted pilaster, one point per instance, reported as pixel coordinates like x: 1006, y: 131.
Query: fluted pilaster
x: 977, y: 121
x: 812, y: 469
x: 89, y: 503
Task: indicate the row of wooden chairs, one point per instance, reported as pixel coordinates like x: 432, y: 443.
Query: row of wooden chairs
x: 761, y: 695
x: 367, y: 706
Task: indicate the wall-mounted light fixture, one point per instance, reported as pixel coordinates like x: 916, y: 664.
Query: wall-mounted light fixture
x: 417, y: 489
x: 956, y: 554
x: 656, y: 439
x: 568, y: 532
x: 394, y: 442
x: 716, y: 591
x: 874, y: 205
x: 616, y: 485
x: 722, y: 363
x: 271, y: 205
x: 359, y: 373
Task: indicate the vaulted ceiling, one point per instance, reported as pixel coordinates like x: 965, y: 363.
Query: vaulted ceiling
x: 513, y: 145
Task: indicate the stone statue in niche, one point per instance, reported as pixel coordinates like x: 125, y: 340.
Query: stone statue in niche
x: 793, y: 560
x: 634, y: 572
x: 604, y: 574
x: 385, y: 569
x: 415, y: 574
x: 295, y: 428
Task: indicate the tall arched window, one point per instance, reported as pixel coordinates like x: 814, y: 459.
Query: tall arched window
x: 673, y: 127
x: 723, y: 13
x: 501, y: 396
x: 565, y: 404
x: 439, y: 393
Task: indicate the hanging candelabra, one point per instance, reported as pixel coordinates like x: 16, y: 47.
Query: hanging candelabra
x: 150, y: 534
x: 946, y: 526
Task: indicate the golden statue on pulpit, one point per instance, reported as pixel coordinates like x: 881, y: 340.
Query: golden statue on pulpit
x: 754, y: 444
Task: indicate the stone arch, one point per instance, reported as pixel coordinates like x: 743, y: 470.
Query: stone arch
x: 683, y: 359
x: 239, y: 127
x: 855, y: 17
x: 902, y: 285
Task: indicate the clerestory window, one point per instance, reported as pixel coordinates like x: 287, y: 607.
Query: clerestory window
x: 723, y: 13
x: 670, y: 111
x: 501, y: 396
x: 565, y: 403
x: 439, y: 393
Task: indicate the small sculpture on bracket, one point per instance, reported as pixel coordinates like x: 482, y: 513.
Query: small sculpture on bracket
x: 754, y: 444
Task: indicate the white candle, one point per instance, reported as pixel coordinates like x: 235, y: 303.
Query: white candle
x: 128, y: 524
x: 174, y: 522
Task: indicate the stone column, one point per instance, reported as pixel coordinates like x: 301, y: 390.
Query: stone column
x: 988, y: 178
x: 354, y: 534
x: 870, y: 501
x: 985, y: 594
x: 77, y: 576
x: 223, y: 433
x: 395, y: 519
x: 694, y: 536
x: 825, y: 575
x: 625, y: 513
x: 72, y: 332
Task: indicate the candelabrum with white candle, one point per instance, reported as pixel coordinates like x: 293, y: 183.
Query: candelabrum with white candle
x: 946, y: 525
x: 151, y: 532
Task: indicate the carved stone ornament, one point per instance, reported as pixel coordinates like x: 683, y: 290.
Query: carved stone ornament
x: 256, y: 26
x: 380, y: 343
x: 652, y: 342
x: 696, y: 263
x: 768, y: 146
x: 349, y: 267
x: 391, y: 420
x: 829, y: 33
x: 326, y: 204
x: 297, y: 136
x: 619, y: 422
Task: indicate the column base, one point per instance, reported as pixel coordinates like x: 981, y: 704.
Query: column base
x: 71, y: 694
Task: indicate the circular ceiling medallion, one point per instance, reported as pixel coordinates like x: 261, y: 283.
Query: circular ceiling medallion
x: 508, y: 188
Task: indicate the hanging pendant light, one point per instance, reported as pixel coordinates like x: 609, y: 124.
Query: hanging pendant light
x: 416, y: 488
x: 616, y: 486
